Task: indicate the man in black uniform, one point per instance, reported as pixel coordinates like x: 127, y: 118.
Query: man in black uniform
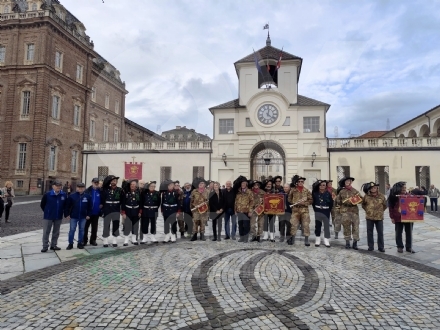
x: 111, y: 198
x: 131, y: 213
x: 150, y: 203
x: 170, y: 208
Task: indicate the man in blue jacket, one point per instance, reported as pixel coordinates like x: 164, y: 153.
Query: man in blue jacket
x: 95, y: 193
x: 78, y: 210
x: 52, y: 204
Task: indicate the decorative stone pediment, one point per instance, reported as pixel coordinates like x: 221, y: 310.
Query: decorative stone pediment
x: 26, y: 82
x: 58, y: 89
x: 78, y: 98
x: 22, y: 138
x: 75, y: 146
x: 53, y: 141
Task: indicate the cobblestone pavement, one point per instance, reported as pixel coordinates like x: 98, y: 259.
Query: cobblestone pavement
x: 227, y: 285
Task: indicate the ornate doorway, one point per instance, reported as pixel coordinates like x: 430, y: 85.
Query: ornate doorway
x: 267, y: 160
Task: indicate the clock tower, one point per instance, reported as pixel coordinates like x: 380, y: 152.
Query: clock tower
x: 270, y: 129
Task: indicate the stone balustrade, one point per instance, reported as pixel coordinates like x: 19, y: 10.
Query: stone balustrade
x: 383, y: 143
x: 159, y: 145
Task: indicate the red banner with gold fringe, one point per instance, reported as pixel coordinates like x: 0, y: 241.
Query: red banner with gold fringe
x: 133, y: 171
x: 274, y: 204
x: 412, y: 208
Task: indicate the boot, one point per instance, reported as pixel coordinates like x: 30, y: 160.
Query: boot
x: 182, y: 234
x: 126, y: 239
x: 347, y: 245
x: 153, y: 239
x: 281, y: 239
x: 254, y: 239
x: 272, y: 237
x: 105, y: 241
x: 318, y: 241
x: 134, y: 239
x: 202, y: 237
x: 291, y: 240
x: 336, y: 235
x: 306, y: 241
x: 173, y: 238
x: 115, y: 241
x: 144, y: 239
x: 166, y: 239
x: 265, y: 236
x: 355, y: 245
x: 194, y: 238
x: 69, y: 247
x: 214, y: 239
x: 258, y: 239
x: 327, y: 242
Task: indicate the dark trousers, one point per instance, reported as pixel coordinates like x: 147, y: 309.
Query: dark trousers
x: 408, y: 233
x: 146, y: 222
x: 230, y: 228
x: 284, y: 224
x: 217, y: 225
x: 269, y: 223
x: 322, y: 218
x: 93, y: 221
x: 7, y: 208
x: 131, y: 225
x: 244, y: 224
x: 370, y: 234
x: 170, y: 221
x: 114, y: 220
x: 433, y: 201
x: 2, y: 207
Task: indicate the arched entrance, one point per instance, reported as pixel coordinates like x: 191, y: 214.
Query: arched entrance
x: 268, y: 160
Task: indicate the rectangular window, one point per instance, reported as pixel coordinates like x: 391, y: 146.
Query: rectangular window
x: 311, y: 124
x: 74, y: 164
x: 58, y: 60
x: 30, y: 50
x: 226, y: 126
x: 21, y: 156
x: 79, y: 73
x: 19, y: 183
x: 76, y: 115
x: 52, y: 158
x: 2, y: 54
x: 116, y: 135
x: 26, y: 103
x: 165, y: 173
x: 423, y: 177
x: 248, y: 122
x: 56, y: 107
x: 198, y: 171
x: 117, y: 107
x: 107, y: 101
x: 92, y: 128
x: 102, y: 172
x: 342, y: 171
x: 94, y: 94
x: 105, y: 137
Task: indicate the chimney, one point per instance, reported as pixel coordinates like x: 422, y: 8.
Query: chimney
x: 177, y: 127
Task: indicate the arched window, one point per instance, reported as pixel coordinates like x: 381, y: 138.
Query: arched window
x: 7, y: 9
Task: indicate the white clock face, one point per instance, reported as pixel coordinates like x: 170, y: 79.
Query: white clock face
x: 267, y: 114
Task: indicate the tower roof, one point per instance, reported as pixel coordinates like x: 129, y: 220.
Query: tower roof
x: 271, y: 53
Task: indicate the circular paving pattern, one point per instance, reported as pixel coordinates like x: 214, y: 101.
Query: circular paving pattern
x: 225, y: 285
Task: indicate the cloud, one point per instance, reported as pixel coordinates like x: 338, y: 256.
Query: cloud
x: 371, y: 60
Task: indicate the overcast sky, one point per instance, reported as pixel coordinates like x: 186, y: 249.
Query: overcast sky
x: 371, y: 60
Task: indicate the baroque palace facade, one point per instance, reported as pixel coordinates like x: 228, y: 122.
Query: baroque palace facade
x: 56, y: 93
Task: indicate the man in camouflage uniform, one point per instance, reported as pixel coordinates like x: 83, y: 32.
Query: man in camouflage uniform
x: 199, y: 196
x: 302, y: 197
x: 244, y: 201
x: 374, y: 203
x: 349, y: 212
x: 257, y: 220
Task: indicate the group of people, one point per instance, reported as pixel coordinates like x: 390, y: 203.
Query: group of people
x: 187, y: 209
x: 7, y: 195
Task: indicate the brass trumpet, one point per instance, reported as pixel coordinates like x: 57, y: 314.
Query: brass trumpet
x: 300, y: 201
